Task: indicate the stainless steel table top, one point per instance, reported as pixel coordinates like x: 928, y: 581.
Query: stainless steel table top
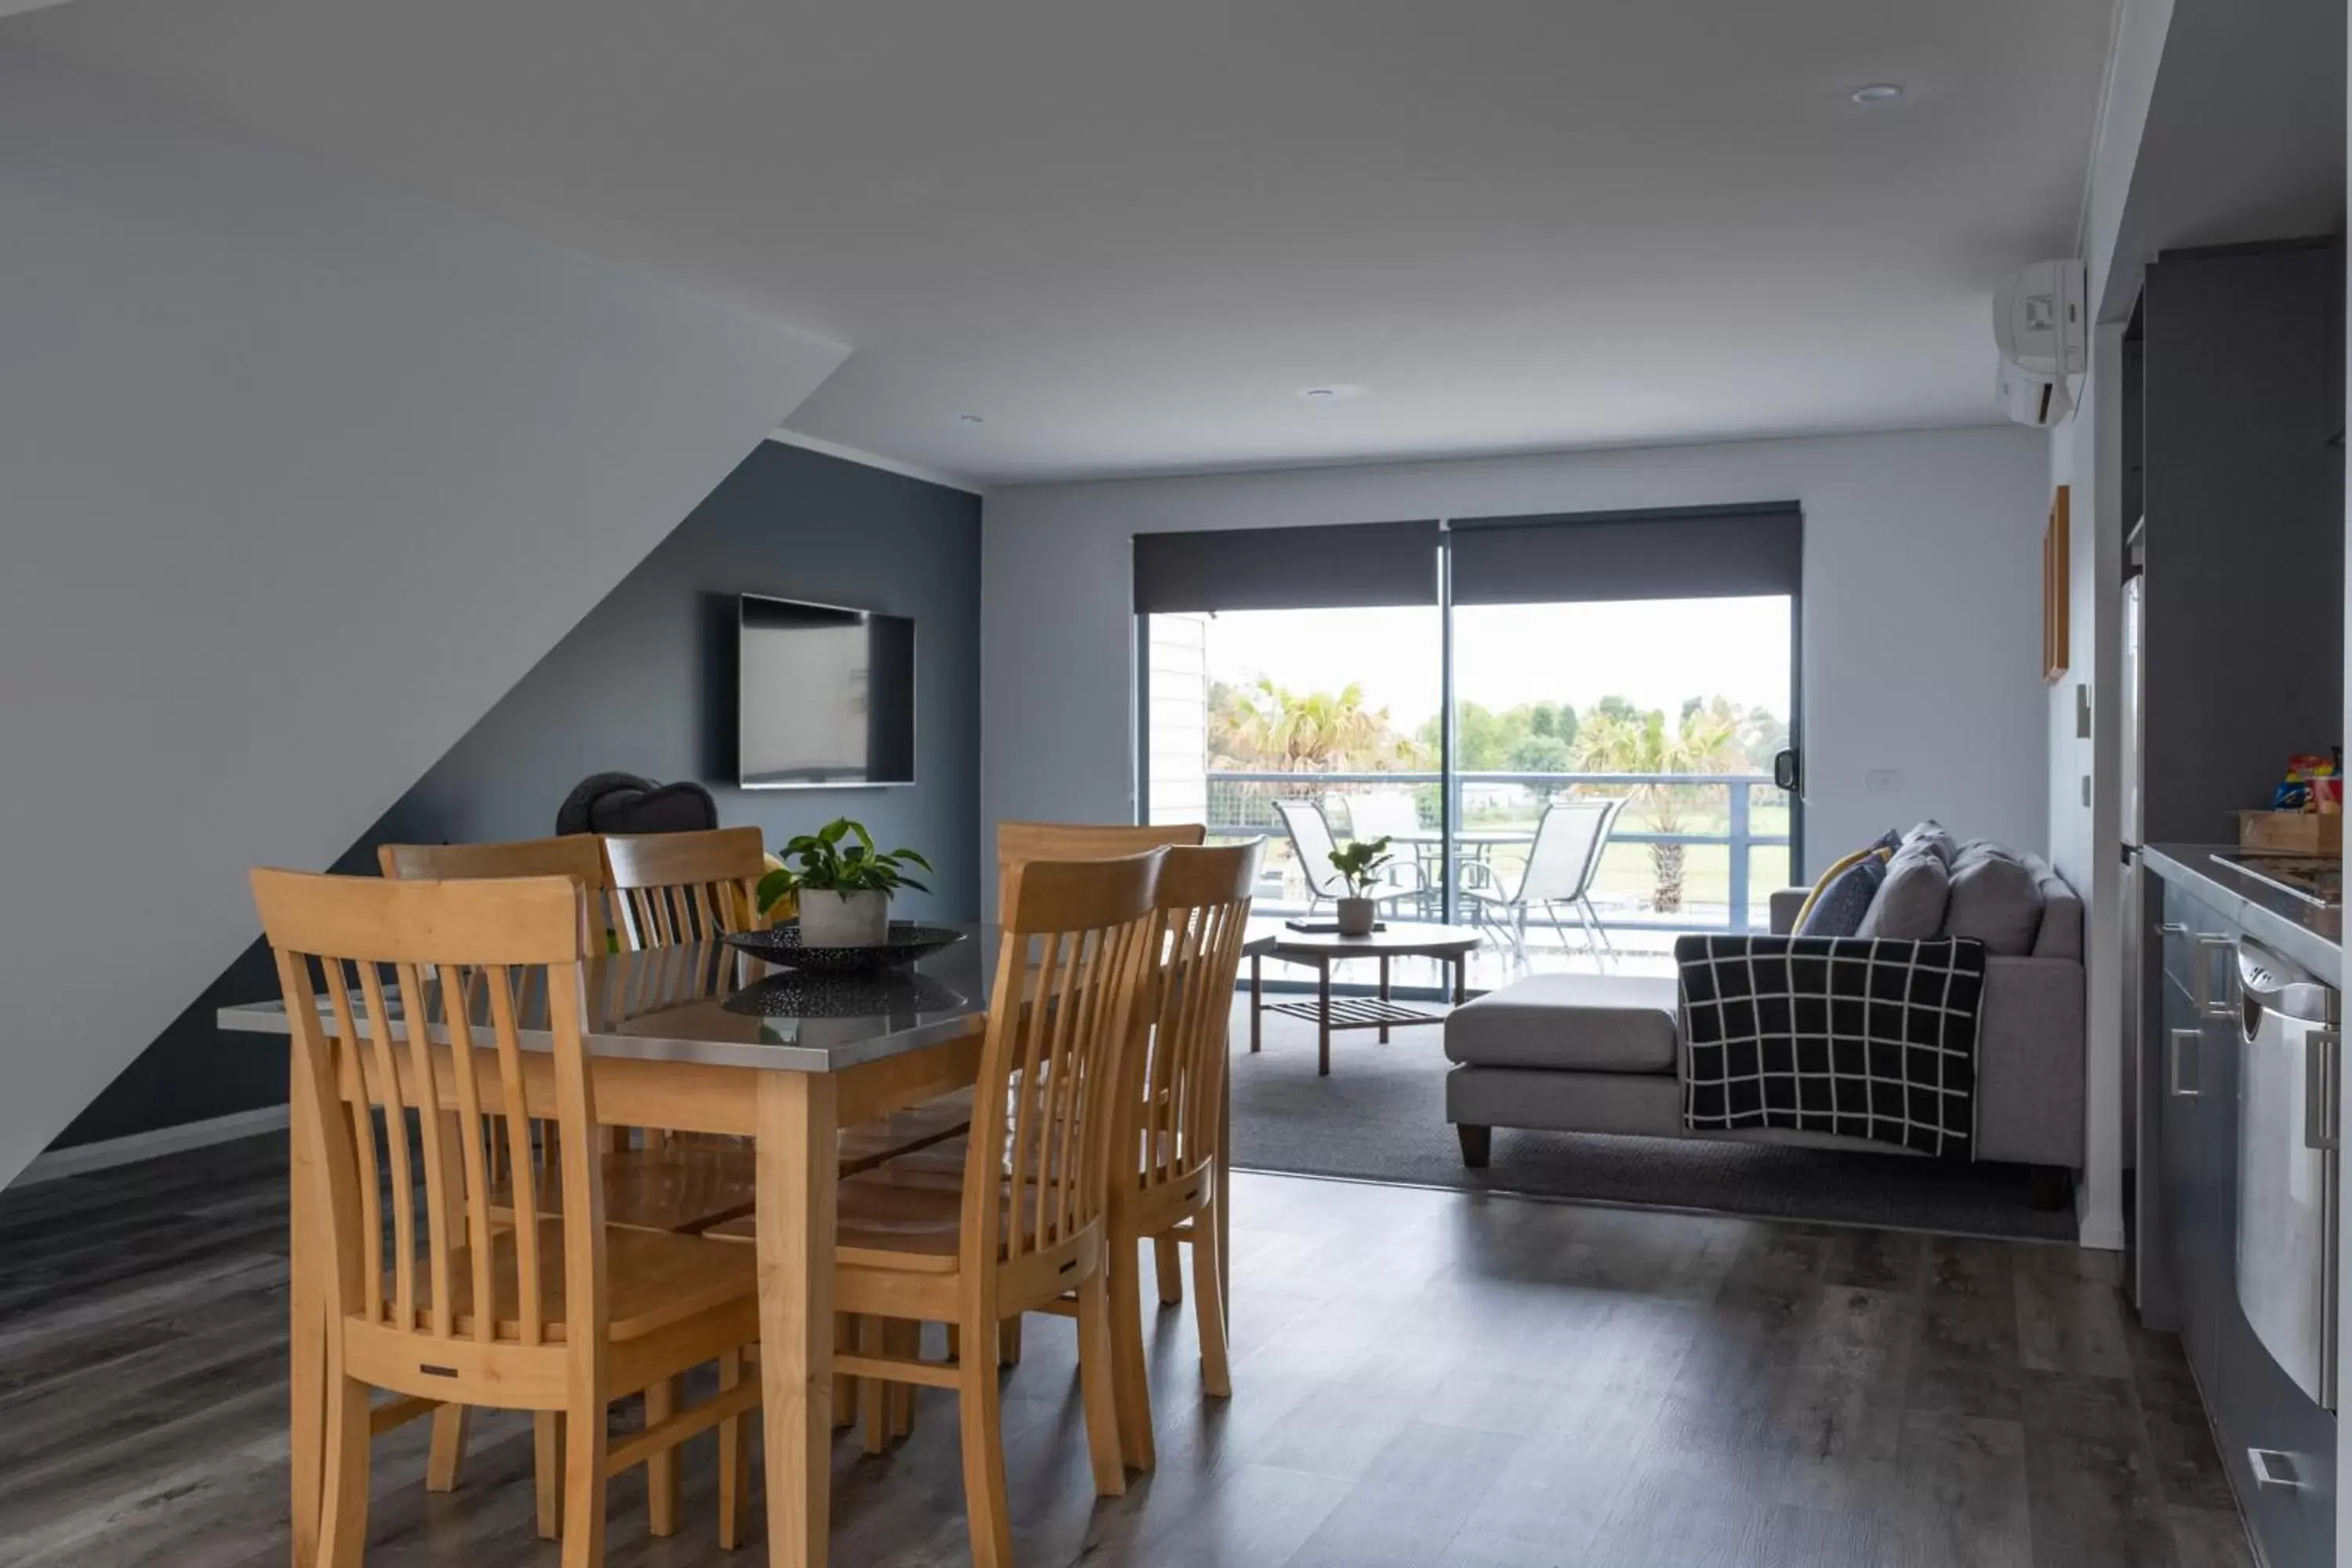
x: 706, y: 1003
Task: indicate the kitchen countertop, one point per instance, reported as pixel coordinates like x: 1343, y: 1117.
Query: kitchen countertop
x: 2302, y: 932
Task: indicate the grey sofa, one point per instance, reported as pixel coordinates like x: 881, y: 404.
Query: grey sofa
x: 1586, y: 1053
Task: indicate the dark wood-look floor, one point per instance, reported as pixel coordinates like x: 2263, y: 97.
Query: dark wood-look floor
x: 1420, y: 1378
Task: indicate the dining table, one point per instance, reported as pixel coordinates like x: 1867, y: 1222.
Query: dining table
x: 701, y: 1038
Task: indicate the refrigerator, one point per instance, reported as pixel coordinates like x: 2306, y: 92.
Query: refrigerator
x: 2148, y: 1285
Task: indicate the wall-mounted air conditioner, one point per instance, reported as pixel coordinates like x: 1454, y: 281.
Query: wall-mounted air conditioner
x: 2040, y: 323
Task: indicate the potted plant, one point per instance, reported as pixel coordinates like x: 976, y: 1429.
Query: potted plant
x: 1358, y: 866
x: 842, y: 884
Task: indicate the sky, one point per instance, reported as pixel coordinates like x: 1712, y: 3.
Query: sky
x: 1655, y: 653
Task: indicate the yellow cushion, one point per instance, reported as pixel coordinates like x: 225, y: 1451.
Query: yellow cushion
x: 1830, y: 876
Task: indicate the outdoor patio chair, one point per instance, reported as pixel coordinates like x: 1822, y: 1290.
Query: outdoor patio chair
x: 1569, y: 838
x: 1312, y: 843
x: 1380, y: 814
x: 1394, y: 814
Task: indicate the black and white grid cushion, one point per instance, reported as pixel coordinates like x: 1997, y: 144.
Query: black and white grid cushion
x: 1862, y: 1038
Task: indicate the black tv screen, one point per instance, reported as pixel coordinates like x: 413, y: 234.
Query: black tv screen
x: 826, y: 696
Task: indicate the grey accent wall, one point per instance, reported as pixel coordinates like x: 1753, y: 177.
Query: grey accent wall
x: 646, y: 684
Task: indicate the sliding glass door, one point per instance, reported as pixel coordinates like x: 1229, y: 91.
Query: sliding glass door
x: 1567, y: 729
x: 1614, y: 767
x: 1296, y: 725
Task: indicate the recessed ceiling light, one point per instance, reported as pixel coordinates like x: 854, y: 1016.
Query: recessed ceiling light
x: 1337, y: 392
x: 1879, y: 92
x: 969, y: 419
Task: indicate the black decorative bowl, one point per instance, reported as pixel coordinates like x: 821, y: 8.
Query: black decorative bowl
x: 783, y: 944
x: 877, y: 992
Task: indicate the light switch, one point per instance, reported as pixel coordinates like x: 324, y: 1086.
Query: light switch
x: 2082, y: 713
x: 1882, y: 781
x: 2086, y: 789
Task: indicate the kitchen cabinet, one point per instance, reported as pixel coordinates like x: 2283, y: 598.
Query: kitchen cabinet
x: 2243, y: 492
x: 2252, y: 1402
x: 2199, y: 1132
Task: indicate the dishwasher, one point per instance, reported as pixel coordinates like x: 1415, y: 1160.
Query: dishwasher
x: 2290, y: 1068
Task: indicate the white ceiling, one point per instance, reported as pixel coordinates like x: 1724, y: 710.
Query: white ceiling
x: 1127, y: 235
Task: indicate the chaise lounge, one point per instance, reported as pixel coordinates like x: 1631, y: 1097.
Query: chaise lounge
x: 1586, y: 1053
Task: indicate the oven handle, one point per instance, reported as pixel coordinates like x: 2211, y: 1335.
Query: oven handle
x: 2322, y: 1085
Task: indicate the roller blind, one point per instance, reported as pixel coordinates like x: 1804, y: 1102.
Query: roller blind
x: 1713, y: 553
x: 1346, y: 565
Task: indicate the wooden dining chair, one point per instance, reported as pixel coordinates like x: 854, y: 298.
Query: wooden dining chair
x: 1176, y: 1062
x: 1017, y: 842
x: 673, y: 887
x: 659, y: 1187
x: 1176, y: 1104
x: 438, y: 1302
x: 580, y: 857
x: 669, y: 888
x: 1024, y: 1223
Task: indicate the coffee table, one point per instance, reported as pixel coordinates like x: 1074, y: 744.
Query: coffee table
x: 1320, y: 949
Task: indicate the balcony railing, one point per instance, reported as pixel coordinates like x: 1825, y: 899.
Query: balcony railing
x: 1493, y: 809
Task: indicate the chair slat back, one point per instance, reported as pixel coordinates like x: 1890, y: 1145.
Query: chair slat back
x: 464, y: 956
x: 1180, y: 1076
x: 579, y: 855
x: 1567, y: 849
x: 1077, y: 943
x: 675, y: 888
x: 1022, y: 841
x: 1311, y: 842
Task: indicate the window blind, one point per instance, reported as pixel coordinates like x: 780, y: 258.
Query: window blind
x: 1344, y: 565
x: 1711, y: 553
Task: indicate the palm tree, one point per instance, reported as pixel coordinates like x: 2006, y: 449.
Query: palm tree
x: 1623, y: 740
x: 1270, y: 726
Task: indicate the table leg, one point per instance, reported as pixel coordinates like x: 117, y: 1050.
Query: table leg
x: 1323, y: 1019
x: 1461, y: 978
x: 1257, y: 999
x: 795, y: 1208
x: 306, y: 1255
x: 1384, y: 994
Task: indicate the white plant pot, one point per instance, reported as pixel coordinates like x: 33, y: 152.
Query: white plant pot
x: 844, y: 919
x: 1357, y: 916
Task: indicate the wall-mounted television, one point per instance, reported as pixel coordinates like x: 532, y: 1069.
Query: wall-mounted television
x: 825, y: 696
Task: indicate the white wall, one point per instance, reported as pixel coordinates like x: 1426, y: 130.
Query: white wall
x: 297, y: 475
x: 1922, y: 609
x: 2087, y: 826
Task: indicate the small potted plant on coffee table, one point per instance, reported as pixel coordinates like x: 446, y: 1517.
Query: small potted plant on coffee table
x: 842, y: 884
x: 1358, y: 866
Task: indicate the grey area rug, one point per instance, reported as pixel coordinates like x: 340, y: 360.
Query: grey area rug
x: 1381, y: 1116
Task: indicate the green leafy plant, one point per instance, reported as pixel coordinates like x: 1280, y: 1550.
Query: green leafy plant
x: 838, y: 858
x: 1360, y: 864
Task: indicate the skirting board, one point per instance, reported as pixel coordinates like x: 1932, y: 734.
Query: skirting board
x: 86, y: 1157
